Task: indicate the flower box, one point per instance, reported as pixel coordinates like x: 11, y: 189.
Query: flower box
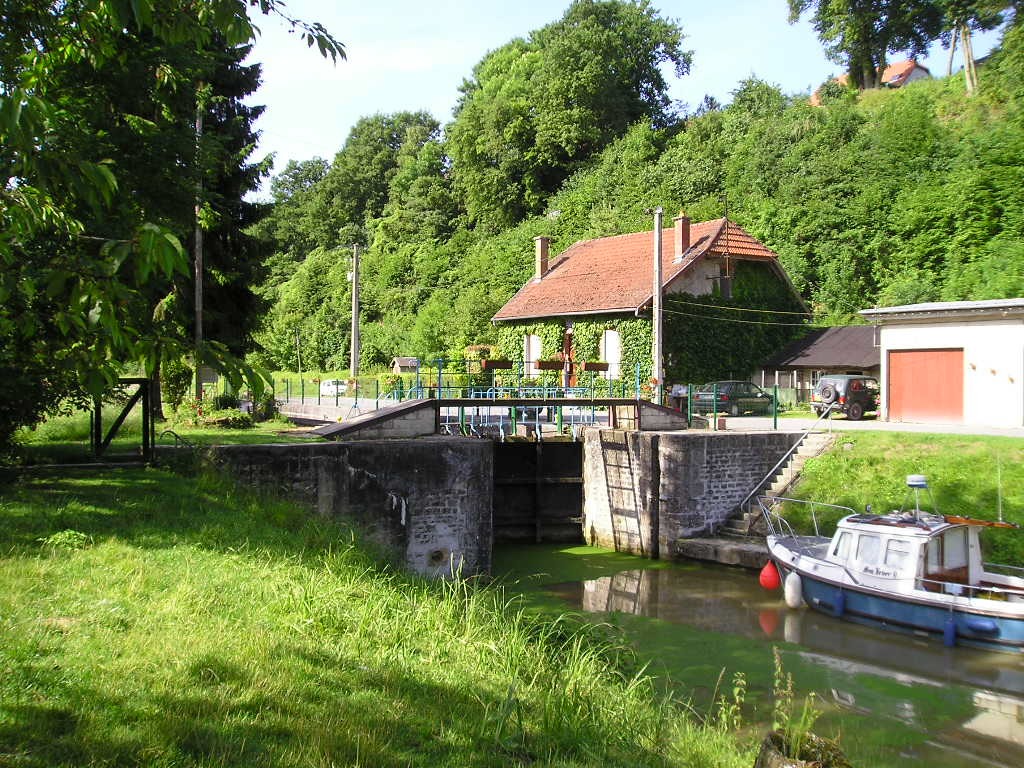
x: 595, y: 366
x: 550, y: 365
x: 495, y: 365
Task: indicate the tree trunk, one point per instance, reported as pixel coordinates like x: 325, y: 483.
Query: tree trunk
x: 952, y: 50
x: 156, y: 402
x: 970, y: 70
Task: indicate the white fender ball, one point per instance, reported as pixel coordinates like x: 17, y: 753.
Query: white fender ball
x: 793, y: 590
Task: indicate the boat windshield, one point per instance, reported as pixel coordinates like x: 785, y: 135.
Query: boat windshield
x: 946, y: 556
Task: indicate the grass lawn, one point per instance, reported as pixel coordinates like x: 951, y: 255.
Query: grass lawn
x: 868, y: 467
x: 150, y: 619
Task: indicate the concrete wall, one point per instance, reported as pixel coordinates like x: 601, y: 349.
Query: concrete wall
x: 426, y: 501
x: 993, y: 364
x: 326, y: 410
x: 645, y: 490
x: 414, y: 418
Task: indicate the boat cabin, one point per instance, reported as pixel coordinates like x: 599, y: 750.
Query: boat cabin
x: 922, y: 550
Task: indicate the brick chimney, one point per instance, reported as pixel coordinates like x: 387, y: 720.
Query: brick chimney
x: 542, y: 256
x: 682, y: 235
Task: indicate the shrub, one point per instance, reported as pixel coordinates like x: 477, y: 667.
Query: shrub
x: 226, y: 401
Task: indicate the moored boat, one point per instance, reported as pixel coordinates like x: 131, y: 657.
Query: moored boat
x: 913, y: 571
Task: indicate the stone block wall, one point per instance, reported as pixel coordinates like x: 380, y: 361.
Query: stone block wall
x: 426, y: 501
x: 415, y: 418
x: 645, y: 490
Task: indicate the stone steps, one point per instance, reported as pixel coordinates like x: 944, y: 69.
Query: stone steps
x: 742, y: 522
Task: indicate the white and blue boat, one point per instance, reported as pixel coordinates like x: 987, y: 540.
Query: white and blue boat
x: 911, y: 571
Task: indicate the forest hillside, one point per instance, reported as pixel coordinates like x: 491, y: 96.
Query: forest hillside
x: 875, y: 198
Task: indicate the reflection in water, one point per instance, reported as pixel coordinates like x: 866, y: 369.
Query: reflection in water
x: 965, y: 705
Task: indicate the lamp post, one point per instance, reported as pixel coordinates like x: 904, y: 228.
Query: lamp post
x: 354, y: 277
x: 657, y: 326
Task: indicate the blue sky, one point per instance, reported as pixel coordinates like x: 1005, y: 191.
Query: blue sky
x: 413, y: 54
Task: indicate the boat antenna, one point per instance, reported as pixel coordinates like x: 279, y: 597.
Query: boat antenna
x: 917, y: 482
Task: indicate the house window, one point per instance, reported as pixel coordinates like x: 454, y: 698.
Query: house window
x: 611, y: 353
x: 531, y: 353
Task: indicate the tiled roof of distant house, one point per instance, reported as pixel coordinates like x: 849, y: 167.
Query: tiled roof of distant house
x: 893, y: 76
x: 614, y: 274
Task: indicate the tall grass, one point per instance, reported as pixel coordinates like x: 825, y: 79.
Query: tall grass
x: 152, y: 620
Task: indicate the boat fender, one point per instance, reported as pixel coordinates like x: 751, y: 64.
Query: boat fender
x: 840, y: 606
x: 793, y: 590
x: 949, y: 633
x: 769, y: 577
x: 982, y: 625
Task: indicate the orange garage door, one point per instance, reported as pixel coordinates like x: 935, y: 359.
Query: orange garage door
x: 926, y: 385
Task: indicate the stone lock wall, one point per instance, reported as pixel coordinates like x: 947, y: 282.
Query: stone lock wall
x: 644, y: 491
x: 426, y: 501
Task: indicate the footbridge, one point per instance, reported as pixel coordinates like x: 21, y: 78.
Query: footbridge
x: 496, y: 418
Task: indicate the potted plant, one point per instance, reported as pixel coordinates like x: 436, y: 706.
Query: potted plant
x: 550, y: 365
x: 595, y: 366
x: 495, y: 365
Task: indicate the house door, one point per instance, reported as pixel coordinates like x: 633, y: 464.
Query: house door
x: 569, y: 356
x: 926, y: 385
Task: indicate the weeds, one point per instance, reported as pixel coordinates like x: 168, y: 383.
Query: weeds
x: 794, y: 724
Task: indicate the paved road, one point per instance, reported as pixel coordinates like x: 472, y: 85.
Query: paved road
x: 759, y: 424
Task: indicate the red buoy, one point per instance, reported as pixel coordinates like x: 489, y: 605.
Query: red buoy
x: 770, y: 576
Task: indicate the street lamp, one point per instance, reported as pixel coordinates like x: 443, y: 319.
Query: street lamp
x: 657, y: 325
x: 354, y: 277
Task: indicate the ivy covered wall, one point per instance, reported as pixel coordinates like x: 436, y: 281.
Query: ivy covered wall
x: 707, y: 338
x: 710, y: 338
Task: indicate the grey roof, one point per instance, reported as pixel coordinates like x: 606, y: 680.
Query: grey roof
x: 988, y: 307
x: 845, y: 346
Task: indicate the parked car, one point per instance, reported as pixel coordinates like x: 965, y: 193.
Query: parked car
x: 333, y: 388
x: 852, y: 395
x: 734, y: 398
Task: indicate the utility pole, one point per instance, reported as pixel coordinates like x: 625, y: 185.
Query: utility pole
x: 354, y: 276
x: 298, y: 352
x: 658, y: 328
x: 199, y: 240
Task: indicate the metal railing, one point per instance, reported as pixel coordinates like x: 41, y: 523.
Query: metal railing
x: 785, y: 457
x: 776, y: 522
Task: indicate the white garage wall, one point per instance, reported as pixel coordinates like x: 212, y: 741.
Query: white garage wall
x: 993, y: 364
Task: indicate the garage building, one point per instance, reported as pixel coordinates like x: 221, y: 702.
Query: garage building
x: 959, y: 362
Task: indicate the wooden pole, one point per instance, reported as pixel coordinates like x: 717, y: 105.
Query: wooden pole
x: 199, y: 242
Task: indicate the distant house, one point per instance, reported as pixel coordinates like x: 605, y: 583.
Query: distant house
x: 953, y: 362
x: 893, y: 76
x: 849, y: 349
x: 404, y: 365
x: 594, y: 301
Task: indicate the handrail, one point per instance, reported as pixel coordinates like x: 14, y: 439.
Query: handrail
x: 785, y: 457
x: 178, y: 439
x: 767, y: 502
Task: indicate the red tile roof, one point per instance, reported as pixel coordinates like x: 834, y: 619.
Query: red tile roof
x: 893, y: 76
x: 614, y: 274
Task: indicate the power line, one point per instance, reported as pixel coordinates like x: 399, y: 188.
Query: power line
x: 745, y: 322
x: 738, y: 309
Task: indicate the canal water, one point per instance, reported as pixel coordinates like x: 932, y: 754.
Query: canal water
x: 890, y: 699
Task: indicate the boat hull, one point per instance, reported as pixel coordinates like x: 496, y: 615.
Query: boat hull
x: 948, y: 623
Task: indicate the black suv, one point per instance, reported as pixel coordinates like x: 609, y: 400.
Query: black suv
x: 852, y: 395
